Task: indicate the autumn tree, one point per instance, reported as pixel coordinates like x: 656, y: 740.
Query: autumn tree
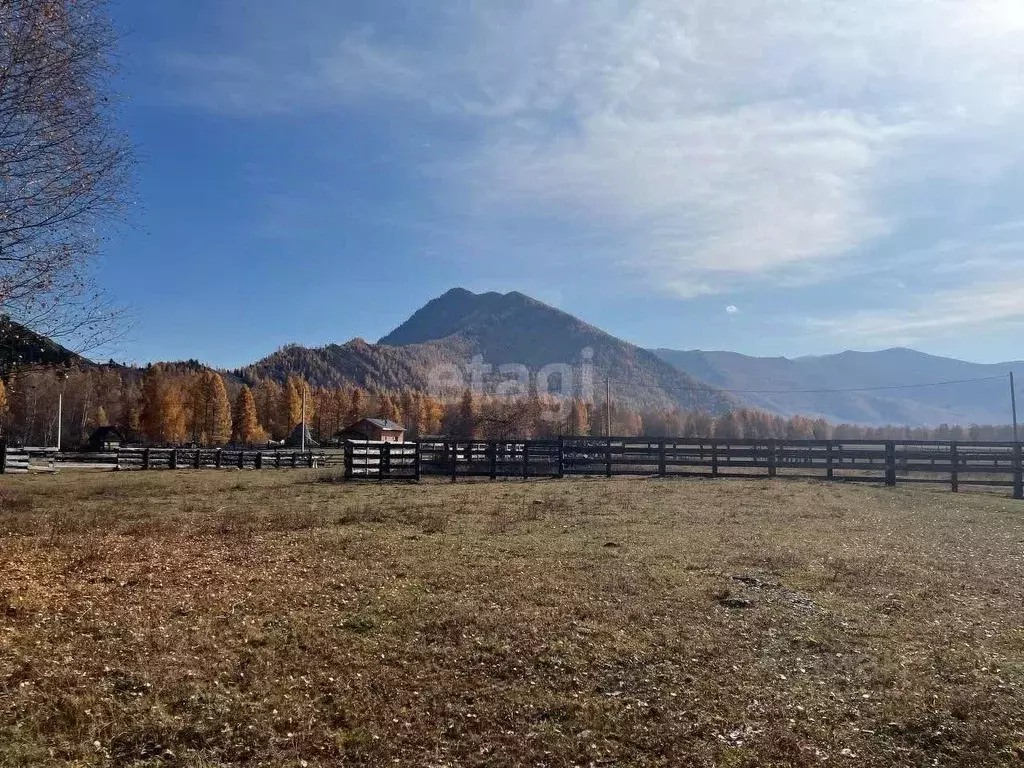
x: 210, y: 408
x: 128, y: 410
x: 163, y: 411
x: 432, y: 411
x: 730, y: 425
x: 464, y: 422
x: 245, y: 422
x: 151, y: 417
x: 289, y: 409
x: 799, y: 428
x: 268, y: 399
x: 408, y: 409
x: 386, y: 407
x: 356, y: 406
x: 340, y: 400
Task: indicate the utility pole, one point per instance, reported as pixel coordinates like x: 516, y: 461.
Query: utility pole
x: 607, y: 407
x: 60, y: 408
x: 1013, y: 406
x: 302, y: 425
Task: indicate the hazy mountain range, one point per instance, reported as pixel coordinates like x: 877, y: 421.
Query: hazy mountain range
x: 514, y: 328
x: 773, y: 380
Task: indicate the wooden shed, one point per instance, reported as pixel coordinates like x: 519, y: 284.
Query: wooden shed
x: 376, y: 430
x: 106, y: 439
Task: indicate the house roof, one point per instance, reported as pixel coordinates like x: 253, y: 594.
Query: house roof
x: 386, y: 424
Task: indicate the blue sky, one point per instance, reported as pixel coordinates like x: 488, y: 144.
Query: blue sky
x: 775, y: 178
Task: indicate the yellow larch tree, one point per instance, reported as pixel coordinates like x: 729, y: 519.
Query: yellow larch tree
x: 209, y: 408
x: 246, y: 425
x: 356, y: 406
x: 163, y: 413
x: 268, y: 398
x: 289, y: 409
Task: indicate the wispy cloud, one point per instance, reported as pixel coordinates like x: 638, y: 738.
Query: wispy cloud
x: 696, y: 146
x: 946, y: 313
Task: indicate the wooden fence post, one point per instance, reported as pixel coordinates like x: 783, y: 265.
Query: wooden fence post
x: 277, y: 459
x: 416, y: 461
x: 661, y: 458
x: 385, y: 461
x: 561, y: 457
x: 295, y: 460
x: 890, y: 463
x: 310, y: 457
x: 145, y: 458
x: 526, y: 460
x: 348, y: 461
x: 259, y: 459
x: 714, y: 458
x: 241, y: 459
x: 493, y: 450
x: 218, y: 459
x: 772, y: 457
x: 954, y: 467
x: 3, y: 457
x: 197, y: 460
x: 455, y: 461
x: 608, y: 458
x: 830, y: 472
x: 1018, y: 473
x: 174, y: 458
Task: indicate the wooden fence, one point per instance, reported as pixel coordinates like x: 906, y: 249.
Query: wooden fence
x: 956, y: 464
x: 216, y: 458
x: 13, y: 461
x: 992, y: 464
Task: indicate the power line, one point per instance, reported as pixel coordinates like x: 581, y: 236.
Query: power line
x: 852, y: 389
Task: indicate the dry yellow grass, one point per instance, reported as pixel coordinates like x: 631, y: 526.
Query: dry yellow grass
x: 205, y: 618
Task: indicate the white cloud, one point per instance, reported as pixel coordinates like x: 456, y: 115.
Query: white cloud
x: 700, y: 145
x: 732, y: 309
x: 946, y: 313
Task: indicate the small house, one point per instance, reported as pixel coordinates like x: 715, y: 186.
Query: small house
x: 106, y: 439
x: 375, y: 430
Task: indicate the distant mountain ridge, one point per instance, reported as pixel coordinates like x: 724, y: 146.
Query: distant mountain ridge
x: 984, y: 402
x: 501, y: 329
x: 514, y: 328
x: 23, y: 348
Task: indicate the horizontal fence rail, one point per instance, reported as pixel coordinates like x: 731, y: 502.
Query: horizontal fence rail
x: 996, y: 464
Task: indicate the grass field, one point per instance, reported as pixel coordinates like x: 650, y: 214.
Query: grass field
x: 212, y: 618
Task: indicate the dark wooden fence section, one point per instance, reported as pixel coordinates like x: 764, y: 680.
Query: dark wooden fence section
x: 380, y: 461
x: 13, y: 461
x: 215, y: 458
x: 995, y: 464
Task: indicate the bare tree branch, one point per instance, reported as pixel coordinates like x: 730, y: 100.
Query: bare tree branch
x: 64, y: 170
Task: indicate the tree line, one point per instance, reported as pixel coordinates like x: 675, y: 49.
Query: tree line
x: 187, y: 403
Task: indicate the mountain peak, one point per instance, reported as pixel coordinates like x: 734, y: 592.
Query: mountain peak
x: 460, y: 312
x: 456, y: 293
